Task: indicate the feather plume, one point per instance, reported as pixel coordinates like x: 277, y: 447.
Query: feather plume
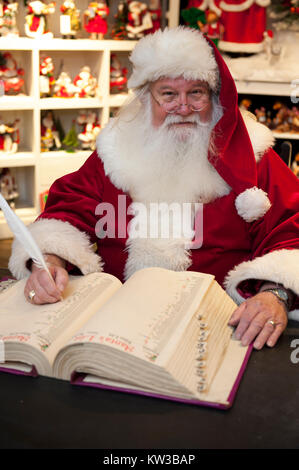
x: 23, y: 235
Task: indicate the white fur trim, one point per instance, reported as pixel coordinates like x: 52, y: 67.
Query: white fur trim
x: 59, y: 238
x: 261, y: 136
x: 173, y: 53
x: 162, y: 253
x: 252, y: 204
x: 280, y: 266
x: 242, y: 6
x: 241, y: 46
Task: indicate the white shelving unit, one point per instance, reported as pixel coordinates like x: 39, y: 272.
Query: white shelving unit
x: 35, y: 170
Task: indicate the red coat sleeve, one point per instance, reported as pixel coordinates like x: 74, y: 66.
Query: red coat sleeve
x: 74, y: 197
x: 279, y: 228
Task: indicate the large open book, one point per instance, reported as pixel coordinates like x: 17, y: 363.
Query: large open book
x: 162, y: 333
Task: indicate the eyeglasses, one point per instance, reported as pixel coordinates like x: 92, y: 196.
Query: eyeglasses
x: 196, y: 100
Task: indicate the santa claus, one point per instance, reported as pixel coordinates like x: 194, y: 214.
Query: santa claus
x: 181, y: 140
x: 139, y: 20
x: 85, y: 83
x: 95, y: 19
x: 36, y: 19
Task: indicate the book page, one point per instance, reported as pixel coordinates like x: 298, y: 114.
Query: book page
x: 146, y: 316
x: 48, y: 327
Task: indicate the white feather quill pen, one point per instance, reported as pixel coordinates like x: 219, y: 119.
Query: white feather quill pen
x: 23, y: 235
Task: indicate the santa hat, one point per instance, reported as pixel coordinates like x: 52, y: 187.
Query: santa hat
x: 183, y: 51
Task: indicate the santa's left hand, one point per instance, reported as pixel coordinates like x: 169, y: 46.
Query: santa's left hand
x: 261, y: 319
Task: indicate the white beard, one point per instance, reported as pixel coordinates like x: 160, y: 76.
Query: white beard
x: 167, y: 164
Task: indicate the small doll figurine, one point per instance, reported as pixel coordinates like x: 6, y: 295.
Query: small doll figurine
x: 95, y: 19
x: 46, y: 76
x: 91, y: 129
x: 118, y: 76
x: 8, y: 187
x: 213, y: 28
x: 11, y: 74
x: 49, y: 134
x: 8, y: 21
x: 280, y: 122
x: 139, y: 20
x: 69, y: 20
x: 64, y: 88
x: 85, y: 83
x: 9, y: 136
x: 36, y: 20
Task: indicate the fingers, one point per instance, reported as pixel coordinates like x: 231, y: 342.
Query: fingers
x: 260, y: 320
x: 45, y: 289
x: 235, y: 318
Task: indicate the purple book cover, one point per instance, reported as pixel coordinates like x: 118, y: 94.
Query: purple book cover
x: 78, y: 379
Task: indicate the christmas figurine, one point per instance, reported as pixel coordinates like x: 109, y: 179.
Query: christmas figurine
x: 8, y: 21
x: 64, y: 88
x: 244, y: 24
x: 46, y: 77
x: 70, y: 22
x: 280, y: 123
x: 118, y: 76
x: 85, y: 84
x: 95, y: 19
x: 91, y: 129
x: 49, y: 134
x: 155, y: 10
x: 213, y: 28
x: 11, y: 74
x: 139, y: 20
x: 9, y: 136
x: 119, y: 30
x: 8, y: 187
x: 36, y: 19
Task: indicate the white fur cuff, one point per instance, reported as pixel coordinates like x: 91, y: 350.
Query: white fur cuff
x: 279, y: 266
x: 59, y: 238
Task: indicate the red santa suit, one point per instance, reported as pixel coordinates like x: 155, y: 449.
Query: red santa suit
x: 250, y: 230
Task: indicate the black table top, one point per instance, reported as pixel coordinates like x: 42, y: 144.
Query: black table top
x: 51, y: 414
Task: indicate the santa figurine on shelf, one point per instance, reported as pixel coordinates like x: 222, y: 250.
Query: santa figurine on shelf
x: 49, y: 134
x: 8, y: 187
x: 244, y: 24
x: 9, y: 136
x: 46, y: 76
x: 10, y: 74
x: 8, y: 19
x: 91, y: 129
x: 95, y: 19
x: 36, y: 19
x: 85, y: 84
x: 139, y: 20
x: 64, y: 87
x: 70, y: 22
x: 118, y: 75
